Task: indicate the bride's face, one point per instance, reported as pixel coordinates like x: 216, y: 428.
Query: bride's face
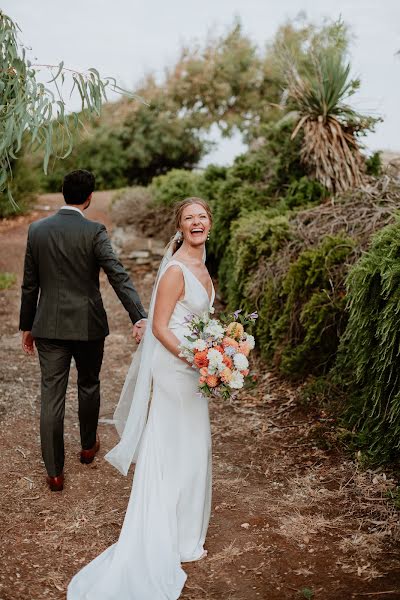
x: 195, y: 224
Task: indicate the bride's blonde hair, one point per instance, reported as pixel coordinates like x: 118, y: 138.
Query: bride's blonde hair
x: 179, y: 208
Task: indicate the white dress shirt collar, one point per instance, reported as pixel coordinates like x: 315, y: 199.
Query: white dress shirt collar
x: 67, y: 207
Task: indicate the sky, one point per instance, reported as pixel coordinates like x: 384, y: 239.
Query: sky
x: 129, y: 38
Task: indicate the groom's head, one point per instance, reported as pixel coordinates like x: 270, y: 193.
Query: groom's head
x: 78, y: 187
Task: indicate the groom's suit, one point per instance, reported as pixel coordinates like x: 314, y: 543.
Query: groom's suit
x: 63, y: 258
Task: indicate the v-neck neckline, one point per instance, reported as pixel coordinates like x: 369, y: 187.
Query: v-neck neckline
x: 199, y: 282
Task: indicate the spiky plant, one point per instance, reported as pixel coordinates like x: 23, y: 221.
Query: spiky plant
x: 330, y: 127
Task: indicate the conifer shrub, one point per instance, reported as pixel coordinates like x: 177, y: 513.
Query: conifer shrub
x: 298, y: 290
x: 305, y: 335
x: 304, y: 191
x: 368, y: 362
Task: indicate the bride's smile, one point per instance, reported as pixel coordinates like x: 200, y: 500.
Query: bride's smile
x: 195, y: 224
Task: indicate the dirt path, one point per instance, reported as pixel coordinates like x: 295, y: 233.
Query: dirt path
x: 292, y: 518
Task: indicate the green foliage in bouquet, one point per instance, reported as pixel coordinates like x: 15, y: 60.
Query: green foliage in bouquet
x: 368, y: 363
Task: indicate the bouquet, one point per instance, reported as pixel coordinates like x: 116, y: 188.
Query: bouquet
x: 219, y: 349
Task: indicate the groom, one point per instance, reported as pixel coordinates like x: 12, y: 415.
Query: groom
x: 63, y: 258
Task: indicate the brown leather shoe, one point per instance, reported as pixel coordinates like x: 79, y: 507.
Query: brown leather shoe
x: 56, y: 484
x: 87, y: 456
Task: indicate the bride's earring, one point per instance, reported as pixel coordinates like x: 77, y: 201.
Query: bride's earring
x: 178, y: 237
x: 208, y: 235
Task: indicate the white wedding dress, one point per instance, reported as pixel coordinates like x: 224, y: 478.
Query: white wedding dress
x: 169, y: 509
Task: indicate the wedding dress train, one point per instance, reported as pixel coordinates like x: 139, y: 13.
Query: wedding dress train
x: 169, y: 509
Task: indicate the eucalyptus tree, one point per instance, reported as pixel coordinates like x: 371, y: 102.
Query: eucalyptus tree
x: 32, y: 114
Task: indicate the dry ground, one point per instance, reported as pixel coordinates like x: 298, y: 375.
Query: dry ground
x: 290, y: 520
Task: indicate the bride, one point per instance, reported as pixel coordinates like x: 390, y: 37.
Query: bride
x: 169, y: 438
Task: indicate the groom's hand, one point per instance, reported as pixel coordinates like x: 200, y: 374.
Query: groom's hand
x: 28, y: 343
x: 138, y: 330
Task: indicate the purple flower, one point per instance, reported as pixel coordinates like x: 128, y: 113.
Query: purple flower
x: 188, y: 318
x: 237, y: 313
x: 253, y: 316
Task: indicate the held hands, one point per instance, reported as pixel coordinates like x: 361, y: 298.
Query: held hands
x: 138, y: 330
x: 28, y: 343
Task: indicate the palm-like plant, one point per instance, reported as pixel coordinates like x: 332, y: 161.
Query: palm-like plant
x: 330, y: 127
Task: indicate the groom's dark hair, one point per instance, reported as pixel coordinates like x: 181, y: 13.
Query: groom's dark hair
x: 77, y: 186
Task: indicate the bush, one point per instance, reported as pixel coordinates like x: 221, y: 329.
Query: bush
x: 368, y: 363
x: 101, y: 154
x: 132, y: 151
x: 306, y: 332
x: 298, y: 291
x: 175, y: 185
x: 24, y: 187
x: 135, y: 207
x: 303, y: 192
x: 257, y: 180
x: 373, y: 164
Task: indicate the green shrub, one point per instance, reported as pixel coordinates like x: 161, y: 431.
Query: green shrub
x: 373, y: 164
x: 368, y: 363
x: 298, y: 291
x: 255, y: 237
x: 102, y: 154
x: 24, y: 187
x: 303, y: 192
x: 306, y: 331
x: 257, y: 180
x: 175, y: 185
x: 131, y: 150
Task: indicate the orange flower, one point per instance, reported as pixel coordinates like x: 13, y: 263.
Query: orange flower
x: 226, y: 375
x: 200, y: 359
x: 204, y: 371
x: 202, y: 379
x: 235, y: 330
x: 245, y: 372
x: 228, y: 362
x: 244, y: 348
x: 212, y: 381
x: 227, y: 341
x: 219, y: 348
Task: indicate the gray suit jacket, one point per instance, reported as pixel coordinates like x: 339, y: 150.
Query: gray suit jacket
x: 63, y: 258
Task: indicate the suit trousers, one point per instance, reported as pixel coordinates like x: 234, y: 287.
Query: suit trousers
x: 55, y: 361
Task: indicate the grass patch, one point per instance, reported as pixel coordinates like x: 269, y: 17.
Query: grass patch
x: 7, y: 280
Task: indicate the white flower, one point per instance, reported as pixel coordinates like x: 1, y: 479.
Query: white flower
x: 250, y: 340
x: 240, y: 361
x: 185, y: 353
x: 237, y: 380
x: 212, y: 310
x: 214, y: 329
x: 215, y: 361
x: 214, y: 356
x: 200, y: 345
